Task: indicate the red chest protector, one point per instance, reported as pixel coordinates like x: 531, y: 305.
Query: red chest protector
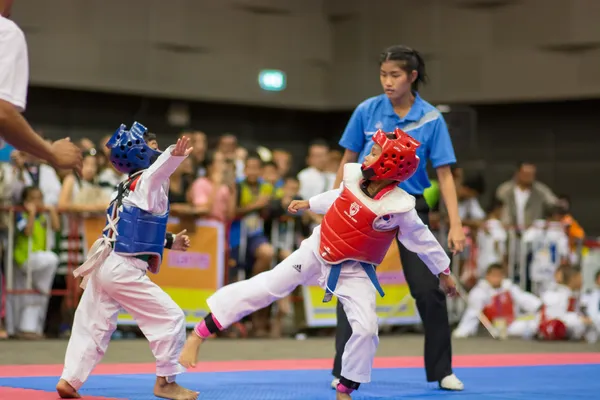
x: 572, y: 304
x: 501, y: 306
x: 347, y: 233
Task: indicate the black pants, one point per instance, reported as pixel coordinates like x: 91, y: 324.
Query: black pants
x: 431, y: 303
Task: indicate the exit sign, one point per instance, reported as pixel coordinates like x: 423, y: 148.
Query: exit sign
x: 272, y: 80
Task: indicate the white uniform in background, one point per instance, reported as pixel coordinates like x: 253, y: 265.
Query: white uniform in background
x: 506, y: 303
x: 549, y: 246
x: 27, y: 312
x: 563, y: 304
x: 491, y: 242
x: 115, y: 281
x: 590, y: 303
x: 354, y: 289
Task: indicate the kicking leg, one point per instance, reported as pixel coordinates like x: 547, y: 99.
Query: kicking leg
x: 233, y: 302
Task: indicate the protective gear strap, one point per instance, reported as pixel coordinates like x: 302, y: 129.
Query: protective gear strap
x: 348, y: 384
x: 334, y: 276
x: 169, y: 240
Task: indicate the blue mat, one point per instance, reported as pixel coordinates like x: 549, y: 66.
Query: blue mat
x: 570, y: 382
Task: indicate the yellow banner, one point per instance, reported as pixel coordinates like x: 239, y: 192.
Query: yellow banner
x: 396, y: 308
x: 188, y: 277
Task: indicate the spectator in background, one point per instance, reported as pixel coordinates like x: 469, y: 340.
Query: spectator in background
x: 79, y: 195
x: 491, y: 239
x: 271, y: 175
x: 524, y: 197
x: 213, y: 195
x: 549, y: 246
x: 249, y: 244
x: 83, y: 194
x: 334, y: 158
x: 30, y: 171
x: 199, y: 143
x: 181, y: 181
x: 468, y: 192
x: 286, y: 235
x: 108, y: 177
x: 283, y: 159
x: 86, y: 144
x: 315, y: 179
x: 228, y: 146
x: 31, y: 252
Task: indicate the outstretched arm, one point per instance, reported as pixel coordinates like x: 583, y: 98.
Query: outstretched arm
x: 322, y: 202
x: 417, y: 237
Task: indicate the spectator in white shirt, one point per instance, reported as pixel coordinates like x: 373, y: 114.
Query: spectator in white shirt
x: 29, y: 171
x: 315, y: 179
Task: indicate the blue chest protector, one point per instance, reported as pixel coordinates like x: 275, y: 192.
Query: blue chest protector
x: 138, y: 232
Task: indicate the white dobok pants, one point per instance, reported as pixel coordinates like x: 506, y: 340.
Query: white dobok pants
x: 121, y: 282
x: 354, y: 290
x: 27, y: 312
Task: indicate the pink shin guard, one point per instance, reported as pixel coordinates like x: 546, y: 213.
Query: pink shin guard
x: 202, y: 330
x: 343, y: 389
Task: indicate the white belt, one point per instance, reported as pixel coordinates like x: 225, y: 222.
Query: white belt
x: 98, y: 253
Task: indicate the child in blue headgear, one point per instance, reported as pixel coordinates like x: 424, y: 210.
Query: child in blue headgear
x: 114, y: 274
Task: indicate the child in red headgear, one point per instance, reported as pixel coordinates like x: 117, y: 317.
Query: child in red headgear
x: 362, y: 219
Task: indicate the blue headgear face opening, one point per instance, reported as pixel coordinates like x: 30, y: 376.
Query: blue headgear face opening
x: 128, y: 149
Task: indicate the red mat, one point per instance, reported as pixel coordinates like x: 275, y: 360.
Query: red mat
x: 479, y: 360
x: 22, y: 394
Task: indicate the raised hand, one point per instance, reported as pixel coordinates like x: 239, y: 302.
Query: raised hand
x: 181, y: 147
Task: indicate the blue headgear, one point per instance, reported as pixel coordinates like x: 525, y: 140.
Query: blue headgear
x: 129, y: 151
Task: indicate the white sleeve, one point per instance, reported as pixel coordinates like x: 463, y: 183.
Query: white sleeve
x: 477, y: 212
x: 14, y: 65
x: 417, y: 237
x: 305, y: 191
x: 525, y: 300
x: 563, y: 246
x: 320, y: 203
x: 152, y: 180
x: 556, y: 303
x: 592, y: 304
x: 470, y: 320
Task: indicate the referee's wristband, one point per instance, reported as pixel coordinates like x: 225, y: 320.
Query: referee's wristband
x: 169, y: 239
x: 445, y: 272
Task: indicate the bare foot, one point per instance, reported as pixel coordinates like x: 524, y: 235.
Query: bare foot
x: 66, y: 391
x: 172, y: 391
x: 342, y: 396
x: 189, y: 354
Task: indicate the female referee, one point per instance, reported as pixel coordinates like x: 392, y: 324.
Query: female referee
x: 401, y: 71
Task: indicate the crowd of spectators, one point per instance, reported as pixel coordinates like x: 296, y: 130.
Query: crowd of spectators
x: 249, y: 191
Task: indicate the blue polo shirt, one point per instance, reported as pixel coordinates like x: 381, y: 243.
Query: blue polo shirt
x: 423, y: 122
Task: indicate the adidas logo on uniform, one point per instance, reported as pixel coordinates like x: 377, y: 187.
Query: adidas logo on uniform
x: 297, y: 267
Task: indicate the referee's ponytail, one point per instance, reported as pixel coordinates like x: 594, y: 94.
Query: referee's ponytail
x: 409, y: 60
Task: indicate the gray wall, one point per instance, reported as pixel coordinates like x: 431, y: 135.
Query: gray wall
x: 477, y: 50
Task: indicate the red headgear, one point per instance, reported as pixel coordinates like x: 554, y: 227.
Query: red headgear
x: 398, y: 159
x: 553, y: 329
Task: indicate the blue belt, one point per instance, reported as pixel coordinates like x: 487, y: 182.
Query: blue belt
x: 334, y: 275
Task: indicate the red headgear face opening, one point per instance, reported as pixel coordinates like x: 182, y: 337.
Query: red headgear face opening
x: 398, y: 160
